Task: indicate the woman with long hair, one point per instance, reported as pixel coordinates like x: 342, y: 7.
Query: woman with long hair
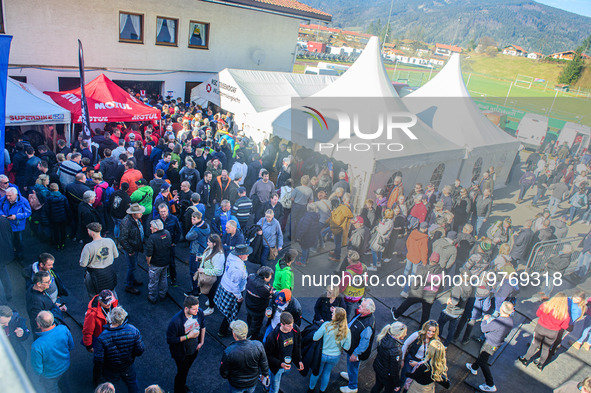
x: 432, y: 369
x: 336, y: 337
x: 388, y: 358
x: 380, y: 236
x: 554, y: 316
x: 211, y: 269
x: 415, y: 346
x: 326, y: 304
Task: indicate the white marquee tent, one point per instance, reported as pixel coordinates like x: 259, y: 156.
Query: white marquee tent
x: 246, y: 91
x: 445, y: 104
x: 26, y: 105
x: 367, y: 78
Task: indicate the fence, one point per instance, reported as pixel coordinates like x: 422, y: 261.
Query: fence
x: 543, y: 251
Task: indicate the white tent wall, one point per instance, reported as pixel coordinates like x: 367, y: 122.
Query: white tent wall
x: 500, y: 157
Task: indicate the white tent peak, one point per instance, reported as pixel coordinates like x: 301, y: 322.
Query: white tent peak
x: 367, y: 77
x: 447, y: 83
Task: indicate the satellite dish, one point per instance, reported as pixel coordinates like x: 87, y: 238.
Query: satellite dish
x: 258, y: 56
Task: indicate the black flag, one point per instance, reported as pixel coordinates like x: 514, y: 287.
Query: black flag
x: 84, y: 112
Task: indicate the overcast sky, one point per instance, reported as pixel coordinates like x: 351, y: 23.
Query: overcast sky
x: 581, y: 7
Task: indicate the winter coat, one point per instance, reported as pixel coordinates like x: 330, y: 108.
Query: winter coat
x: 521, y: 243
x: 255, y: 241
x: 143, y: 196
x: 387, y: 362
x: 272, y: 234
x: 359, y: 240
x: 198, y: 235
x: 86, y: 215
x: 311, y: 350
x: 58, y: 209
x: 117, y: 347
x: 130, y: 236
x: 20, y: 208
x: 340, y: 221
x: 558, y: 263
x: 94, y: 321
x: 191, y: 175
x: 417, y: 246
x: 308, y: 230
x: 50, y: 353
x: 273, y: 349
x: 381, y: 235
x: 323, y: 306
x: 242, y: 363
x: 476, y: 264
x: 372, y: 217
x: 447, y: 253
x: 119, y: 204
x: 284, y: 278
x: 258, y: 294
x: 99, y: 190
x: 428, y: 291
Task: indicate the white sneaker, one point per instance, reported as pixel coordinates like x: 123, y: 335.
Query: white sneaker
x: 485, y: 388
x: 345, y: 389
x: 378, y: 264
x: 207, y: 303
x: 404, y: 294
x: 345, y: 376
x: 208, y: 311
x: 372, y: 269
x: 469, y: 367
x: 387, y: 260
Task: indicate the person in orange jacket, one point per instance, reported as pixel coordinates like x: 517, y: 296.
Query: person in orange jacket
x: 94, y: 321
x: 417, y: 246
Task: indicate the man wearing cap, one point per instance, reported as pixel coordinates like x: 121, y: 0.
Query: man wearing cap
x: 417, y: 246
x: 521, y: 242
x: 94, y: 321
x: 185, y: 337
x: 229, y: 297
x: 244, y: 361
x: 143, y: 196
x: 97, y: 257
x: 162, y: 197
x: 131, y: 240
x: 158, y: 257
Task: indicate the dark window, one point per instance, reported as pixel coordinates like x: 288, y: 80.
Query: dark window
x: 477, y: 170
x: 131, y: 27
x: 20, y: 78
x: 149, y: 88
x: 198, y: 35
x: 67, y: 83
x: 188, y: 87
x: 2, y: 30
x: 437, y: 175
x: 167, y: 31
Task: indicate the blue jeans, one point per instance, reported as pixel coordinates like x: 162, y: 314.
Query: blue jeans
x: 583, y: 263
x: 131, y: 265
x: 327, y: 363
x: 444, y: 318
x: 193, y: 266
x: 539, y: 195
x: 117, y: 223
x: 128, y: 376
x: 482, y: 305
x: 586, y: 335
x: 409, y: 269
x: 242, y: 390
x: 479, y: 222
x: 587, y: 215
x: 522, y: 190
x: 553, y: 205
x: 376, y: 256
x: 338, y: 241
x: 56, y: 385
x: 264, y: 255
x: 305, y: 255
x: 6, y: 283
x: 276, y: 379
x: 353, y: 372
x: 573, y: 212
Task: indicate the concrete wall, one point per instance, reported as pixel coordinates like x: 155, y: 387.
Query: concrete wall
x: 46, y: 32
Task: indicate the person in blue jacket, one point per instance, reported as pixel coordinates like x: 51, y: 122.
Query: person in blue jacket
x: 197, y: 235
x: 16, y: 330
x: 223, y: 214
x: 17, y: 209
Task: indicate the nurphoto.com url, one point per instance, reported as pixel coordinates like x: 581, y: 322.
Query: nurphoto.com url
x: 492, y: 279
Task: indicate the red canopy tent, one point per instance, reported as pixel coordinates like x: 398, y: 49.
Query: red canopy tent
x: 107, y: 102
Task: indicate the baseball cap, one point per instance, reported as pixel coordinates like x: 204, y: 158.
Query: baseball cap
x: 358, y: 220
x: 132, y: 136
x: 165, y: 186
x: 485, y: 246
x: 142, y: 182
x: 424, y: 225
x: 241, y: 190
x: 106, y: 296
x: 283, y: 297
x: 131, y: 150
x: 452, y: 235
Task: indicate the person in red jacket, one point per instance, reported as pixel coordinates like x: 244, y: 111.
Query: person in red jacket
x: 553, y: 316
x: 417, y: 246
x: 94, y: 321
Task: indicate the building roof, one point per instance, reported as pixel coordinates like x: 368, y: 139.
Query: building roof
x: 537, y: 53
x: 452, y: 48
x: 566, y: 52
x: 516, y: 47
x: 291, y: 7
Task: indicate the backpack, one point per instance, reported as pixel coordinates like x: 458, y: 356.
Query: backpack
x: 107, y: 195
x: 34, y: 201
x: 285, y: 199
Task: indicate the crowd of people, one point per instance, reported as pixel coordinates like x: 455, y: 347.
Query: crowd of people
x: 140, y: 190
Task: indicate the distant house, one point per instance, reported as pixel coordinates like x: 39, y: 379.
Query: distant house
x: 446, y: 50
x: 514, y: 50
x: 567, y: 55
x: 437, y: 60
x: 535, y: 55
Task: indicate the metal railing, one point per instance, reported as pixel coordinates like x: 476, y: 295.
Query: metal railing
x: 543, y: 251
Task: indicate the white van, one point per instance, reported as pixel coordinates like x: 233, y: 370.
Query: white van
x: 321, y: 71
x: 576, y: 137
x: 532, y: 130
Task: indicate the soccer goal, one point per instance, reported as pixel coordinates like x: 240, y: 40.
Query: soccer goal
x: 523, y: 81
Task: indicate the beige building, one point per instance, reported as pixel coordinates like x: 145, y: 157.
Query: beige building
x: 159, y: 46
